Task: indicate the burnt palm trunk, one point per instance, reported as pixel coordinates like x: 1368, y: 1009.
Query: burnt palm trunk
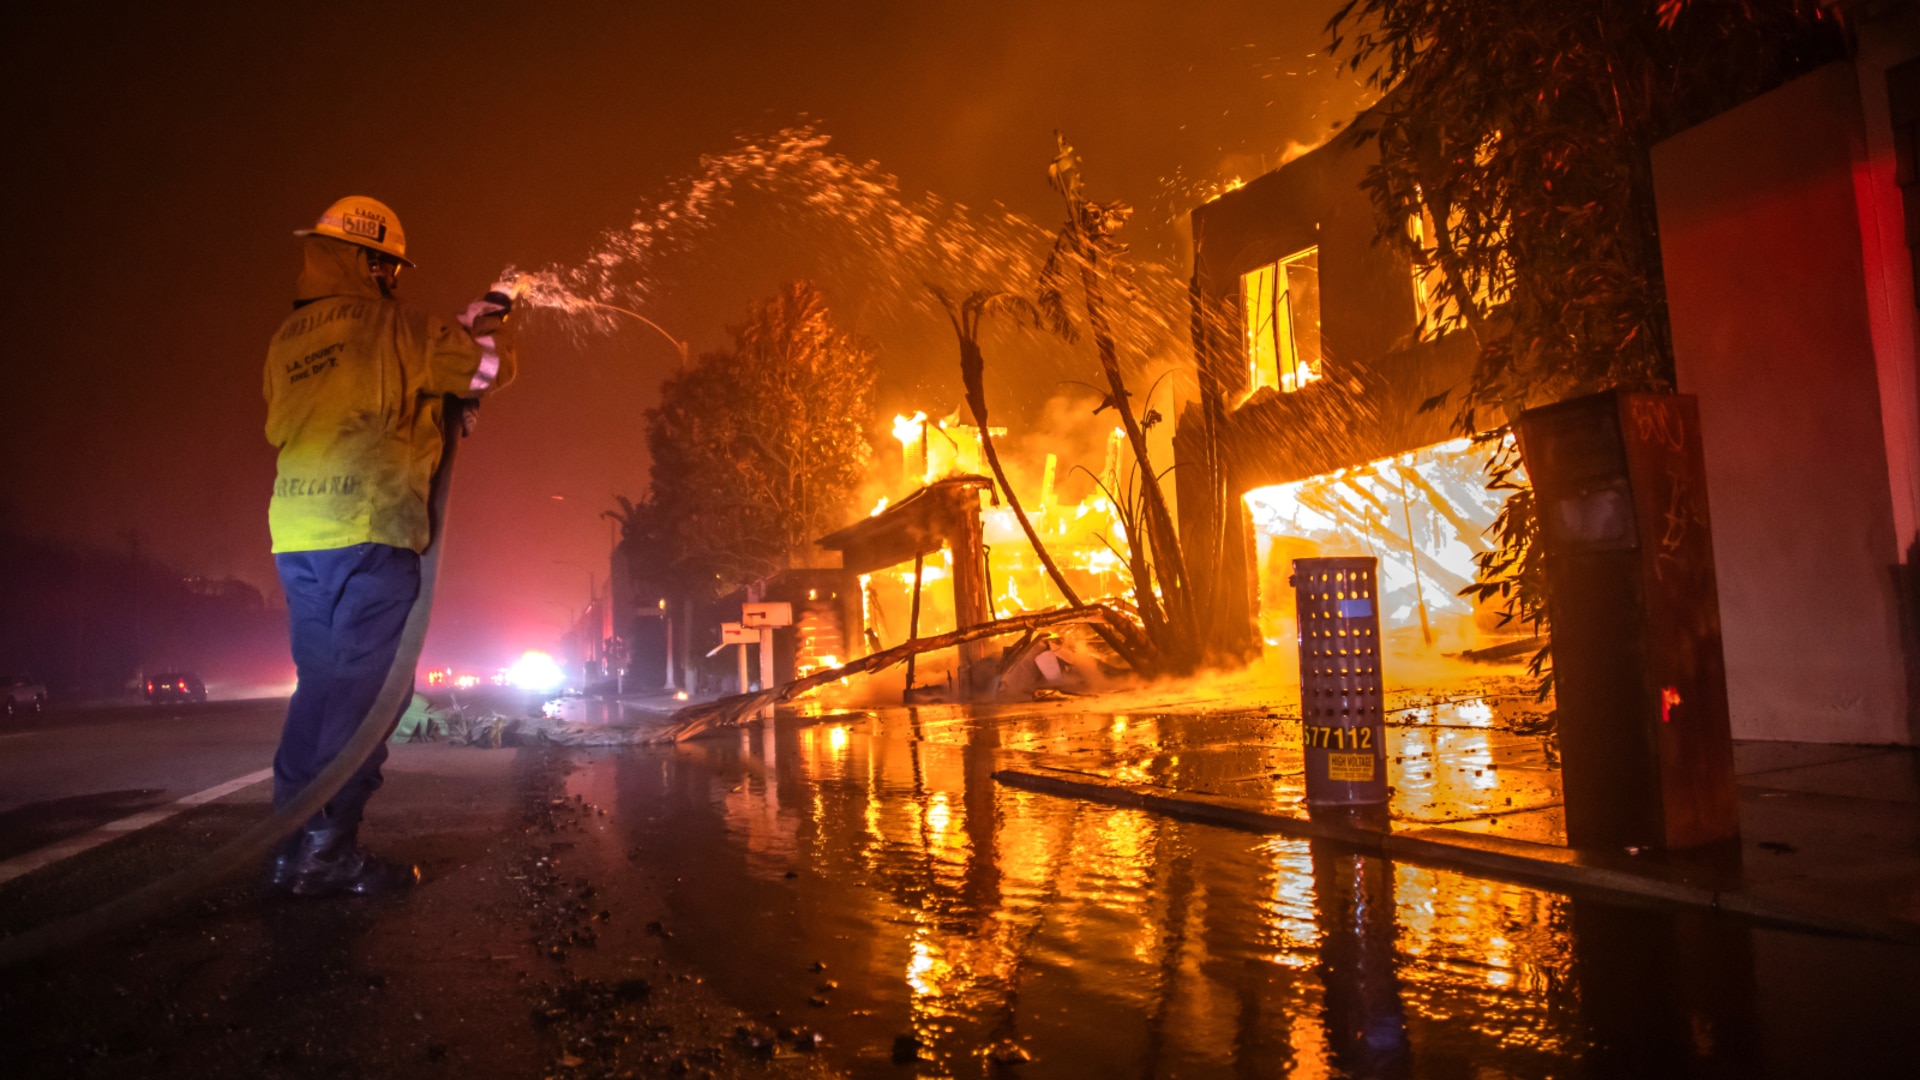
x: 966, y: 323
x: 1169, y: 565
x: 1088, y: 239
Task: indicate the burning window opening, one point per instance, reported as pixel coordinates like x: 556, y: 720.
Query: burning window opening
x: 1282, y: 305
x: 1423, y: 514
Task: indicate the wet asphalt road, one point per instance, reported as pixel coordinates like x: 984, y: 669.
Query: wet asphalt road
x: 854, y: 895
x: 66, y: 771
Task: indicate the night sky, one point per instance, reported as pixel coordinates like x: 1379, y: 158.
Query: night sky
x: 160, y: 156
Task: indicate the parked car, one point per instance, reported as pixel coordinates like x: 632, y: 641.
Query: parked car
x: 23, y: 695
x: 175, y: 686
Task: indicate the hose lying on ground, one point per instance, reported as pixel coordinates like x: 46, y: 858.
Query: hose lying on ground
x: 245, y: 852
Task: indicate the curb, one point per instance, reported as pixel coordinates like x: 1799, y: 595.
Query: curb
x: 1517, y: 861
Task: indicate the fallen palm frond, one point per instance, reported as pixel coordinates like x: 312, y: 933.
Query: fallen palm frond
x: 696, y: 720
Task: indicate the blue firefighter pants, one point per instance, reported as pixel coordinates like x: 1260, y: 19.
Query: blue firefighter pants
x: 347, y: 607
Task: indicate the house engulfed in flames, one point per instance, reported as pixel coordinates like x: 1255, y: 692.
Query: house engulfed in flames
x: 1790, y: 246
x: 1325, y: 421
x: 943, y: 552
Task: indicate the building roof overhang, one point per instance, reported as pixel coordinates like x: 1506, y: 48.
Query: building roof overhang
x: 920, y: 524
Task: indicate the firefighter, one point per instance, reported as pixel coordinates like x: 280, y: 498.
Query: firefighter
x: 356, y: 385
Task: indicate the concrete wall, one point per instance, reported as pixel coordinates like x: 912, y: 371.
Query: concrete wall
x: 1767, y: 278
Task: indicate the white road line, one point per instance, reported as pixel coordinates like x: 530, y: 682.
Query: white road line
x: 65, y: 849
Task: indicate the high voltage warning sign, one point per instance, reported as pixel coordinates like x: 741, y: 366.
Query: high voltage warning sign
x: 1349, y: 767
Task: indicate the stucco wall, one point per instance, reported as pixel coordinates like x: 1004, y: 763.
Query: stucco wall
x: 1761, y: 239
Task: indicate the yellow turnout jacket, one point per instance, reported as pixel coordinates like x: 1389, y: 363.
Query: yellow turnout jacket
x: 354, y: 383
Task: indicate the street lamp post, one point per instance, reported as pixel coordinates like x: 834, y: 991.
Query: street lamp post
x: 677, y: 343
x: 593, y: 649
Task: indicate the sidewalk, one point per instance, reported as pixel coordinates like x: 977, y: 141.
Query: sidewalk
x: 1830, y: 834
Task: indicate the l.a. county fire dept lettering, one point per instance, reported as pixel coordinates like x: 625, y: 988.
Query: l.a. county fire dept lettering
x: 354, y: 387
x: 318, y: 362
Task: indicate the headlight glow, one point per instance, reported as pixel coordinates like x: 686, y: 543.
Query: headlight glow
x: 535, y: 671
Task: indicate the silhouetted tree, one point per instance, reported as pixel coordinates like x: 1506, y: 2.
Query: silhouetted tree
x: 757, y: 450
x: 1088, y: 259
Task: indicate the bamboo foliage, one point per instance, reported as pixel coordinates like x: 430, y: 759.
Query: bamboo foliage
x: 1518, y: 136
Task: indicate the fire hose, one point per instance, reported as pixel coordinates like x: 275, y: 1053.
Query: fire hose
x: 247, y: 850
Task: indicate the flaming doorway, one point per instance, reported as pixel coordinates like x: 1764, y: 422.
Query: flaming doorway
x: 1423, y: 514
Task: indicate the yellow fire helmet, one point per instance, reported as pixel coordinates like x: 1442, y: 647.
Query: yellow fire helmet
x: 370, y: 223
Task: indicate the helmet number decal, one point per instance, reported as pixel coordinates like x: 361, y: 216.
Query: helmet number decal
x: 366, y: 225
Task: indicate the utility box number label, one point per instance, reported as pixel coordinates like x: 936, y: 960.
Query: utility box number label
x: 1350, y: 768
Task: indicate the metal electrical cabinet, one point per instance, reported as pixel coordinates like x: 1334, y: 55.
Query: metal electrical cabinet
x: 1343, y: 733
x: 1620, y: 490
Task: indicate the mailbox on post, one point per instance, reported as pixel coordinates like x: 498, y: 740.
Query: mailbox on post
x: 766, y: 615
x: 763, y: 618
x: 732, y: 633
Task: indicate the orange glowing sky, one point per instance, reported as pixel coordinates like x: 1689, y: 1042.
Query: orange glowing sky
x: 158, y: 160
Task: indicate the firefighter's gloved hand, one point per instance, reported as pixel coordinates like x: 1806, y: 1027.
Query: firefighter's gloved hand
x: 469, y: 416
x: 499, y: 299
x: 490, y: 312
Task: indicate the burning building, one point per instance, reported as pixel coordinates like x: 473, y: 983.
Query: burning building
x: 943, y: 522
x: 941, y: 518
x: 1324, y: 427
x: 1788, y: 230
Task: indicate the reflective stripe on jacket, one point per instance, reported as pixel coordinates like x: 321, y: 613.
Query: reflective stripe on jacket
x: 354, y: 383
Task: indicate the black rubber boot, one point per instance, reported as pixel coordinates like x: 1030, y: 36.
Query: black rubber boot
x: 280, y: 862
x: 330, y: 863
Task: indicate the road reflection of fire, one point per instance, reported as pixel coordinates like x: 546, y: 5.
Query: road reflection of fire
x: 1004, y: 897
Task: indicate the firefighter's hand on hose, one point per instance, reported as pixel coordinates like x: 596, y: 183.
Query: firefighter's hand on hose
x: 499, y: 299
x: 469, y: 416
x: 489, y: 313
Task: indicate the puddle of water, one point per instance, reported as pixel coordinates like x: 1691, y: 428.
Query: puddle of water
x: 1449, y: 761
x: 1106, y: 941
